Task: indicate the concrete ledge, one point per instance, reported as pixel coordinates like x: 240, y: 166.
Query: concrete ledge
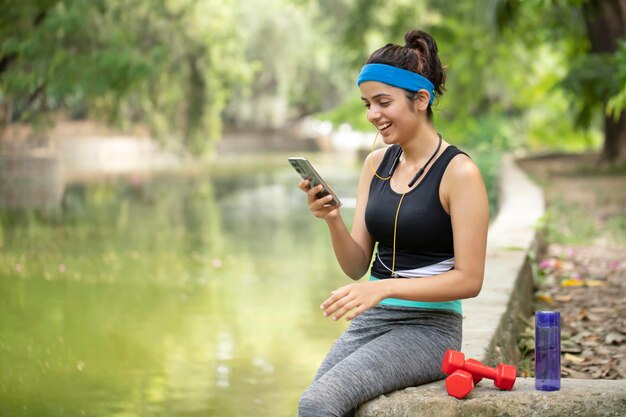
x: 577, y: 397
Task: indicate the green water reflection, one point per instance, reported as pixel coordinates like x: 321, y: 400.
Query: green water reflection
x: 185, y: 295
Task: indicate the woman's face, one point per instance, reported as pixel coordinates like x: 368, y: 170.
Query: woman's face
x: 389, y: 111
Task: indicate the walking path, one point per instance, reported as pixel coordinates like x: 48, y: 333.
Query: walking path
x: 511, y: 235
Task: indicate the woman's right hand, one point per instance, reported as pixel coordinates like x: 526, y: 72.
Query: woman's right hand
x: 319, y: 206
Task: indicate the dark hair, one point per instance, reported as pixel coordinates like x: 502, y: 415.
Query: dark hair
x: 420, y: 55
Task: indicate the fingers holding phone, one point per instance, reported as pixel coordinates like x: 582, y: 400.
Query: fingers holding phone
x: 307, y: 172
x: 320, y: 201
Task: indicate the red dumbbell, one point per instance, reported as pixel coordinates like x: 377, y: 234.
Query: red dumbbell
x: 459, y: 384
x: 475, y: 377
x: 503, y: 376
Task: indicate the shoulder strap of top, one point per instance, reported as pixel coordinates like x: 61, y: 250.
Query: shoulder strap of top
x: 442, y: 162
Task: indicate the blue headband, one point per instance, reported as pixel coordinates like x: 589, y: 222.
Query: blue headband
x: 396, y: 77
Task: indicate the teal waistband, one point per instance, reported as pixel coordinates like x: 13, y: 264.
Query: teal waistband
x: 454, y: 305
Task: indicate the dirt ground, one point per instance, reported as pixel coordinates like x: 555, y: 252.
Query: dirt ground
x: 581, y: 269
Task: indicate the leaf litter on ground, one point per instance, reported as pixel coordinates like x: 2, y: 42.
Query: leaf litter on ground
x: 585, y: 281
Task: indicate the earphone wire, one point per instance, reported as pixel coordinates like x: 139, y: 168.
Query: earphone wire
x: 395, y: 227
x: 372, y: 161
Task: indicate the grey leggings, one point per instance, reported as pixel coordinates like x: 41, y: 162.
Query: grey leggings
x: 382, y: 350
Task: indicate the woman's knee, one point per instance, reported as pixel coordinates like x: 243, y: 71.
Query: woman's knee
x: 313, y: 404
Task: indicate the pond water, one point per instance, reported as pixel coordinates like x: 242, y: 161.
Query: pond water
x: 179, y: 295
x: 194, y: 294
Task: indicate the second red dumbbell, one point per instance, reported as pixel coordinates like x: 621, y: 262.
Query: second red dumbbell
x: 459, y: 384
x: 503, y: 376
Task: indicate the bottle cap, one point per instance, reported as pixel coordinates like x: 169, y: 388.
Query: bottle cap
x: 547, y: 318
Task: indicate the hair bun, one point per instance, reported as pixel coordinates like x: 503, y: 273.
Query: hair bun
x: 421, y: 41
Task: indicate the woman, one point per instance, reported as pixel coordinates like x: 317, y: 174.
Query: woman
x: 424, y: 203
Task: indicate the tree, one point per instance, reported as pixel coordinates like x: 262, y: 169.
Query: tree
x: 292, y: 46
x: 597, y: 76
x: 167, y: 63
x: 510, y: 61
x: 485, y: 95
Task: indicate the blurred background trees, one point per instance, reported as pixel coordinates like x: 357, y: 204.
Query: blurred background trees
x: 538, y: 74
x: 595, y: 31
x: 168, y: 64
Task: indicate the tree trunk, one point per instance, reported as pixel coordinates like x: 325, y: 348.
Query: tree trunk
x: 614, y: 150
x: 606, y: 27
x: 6, y: 114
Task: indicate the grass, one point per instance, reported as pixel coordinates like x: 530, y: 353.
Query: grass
x: 489, y: 165
x: 571, y: 224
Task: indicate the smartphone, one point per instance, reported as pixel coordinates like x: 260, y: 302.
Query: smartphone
x: 306, y: 171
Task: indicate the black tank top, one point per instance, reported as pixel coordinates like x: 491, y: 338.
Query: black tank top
x: 424, y: 244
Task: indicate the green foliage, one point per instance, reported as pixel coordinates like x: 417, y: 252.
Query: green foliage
x: 519, y: 71
x: 297, y: 70
x: 570, y: 224
x: 486, y: 99
x: 167, y: 63
x: 593, y: 70
x: 592, y: 80
x: 351, y: 111
x: 617, y: 104
x: 488, y: 161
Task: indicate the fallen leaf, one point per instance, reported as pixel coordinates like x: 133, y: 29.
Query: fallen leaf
x: 573, y: 358
x: 581, y: 315
x: 546, y: 298
x: 558, y: 264
x: 568, y: 346
x: 596, y: 371
x: 595, y: 283
x: 564, y: 298
x: 606, y: 371
x: 574, y: 374
x: 602, y: 310
x: 572, y: 283
x: 592, y: 342
x: 614, y: 338
x: 594, y: 317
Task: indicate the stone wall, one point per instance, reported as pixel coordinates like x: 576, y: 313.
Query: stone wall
x: 31, y: 179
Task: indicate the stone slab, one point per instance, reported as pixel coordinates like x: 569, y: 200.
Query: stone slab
x: 577, y: 397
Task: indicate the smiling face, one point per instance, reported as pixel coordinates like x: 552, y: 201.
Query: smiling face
x: 389, y: 110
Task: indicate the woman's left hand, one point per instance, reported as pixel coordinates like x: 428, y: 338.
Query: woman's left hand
x: 353, y: 299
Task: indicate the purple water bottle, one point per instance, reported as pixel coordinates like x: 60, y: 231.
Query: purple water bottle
x: 547, y: 350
